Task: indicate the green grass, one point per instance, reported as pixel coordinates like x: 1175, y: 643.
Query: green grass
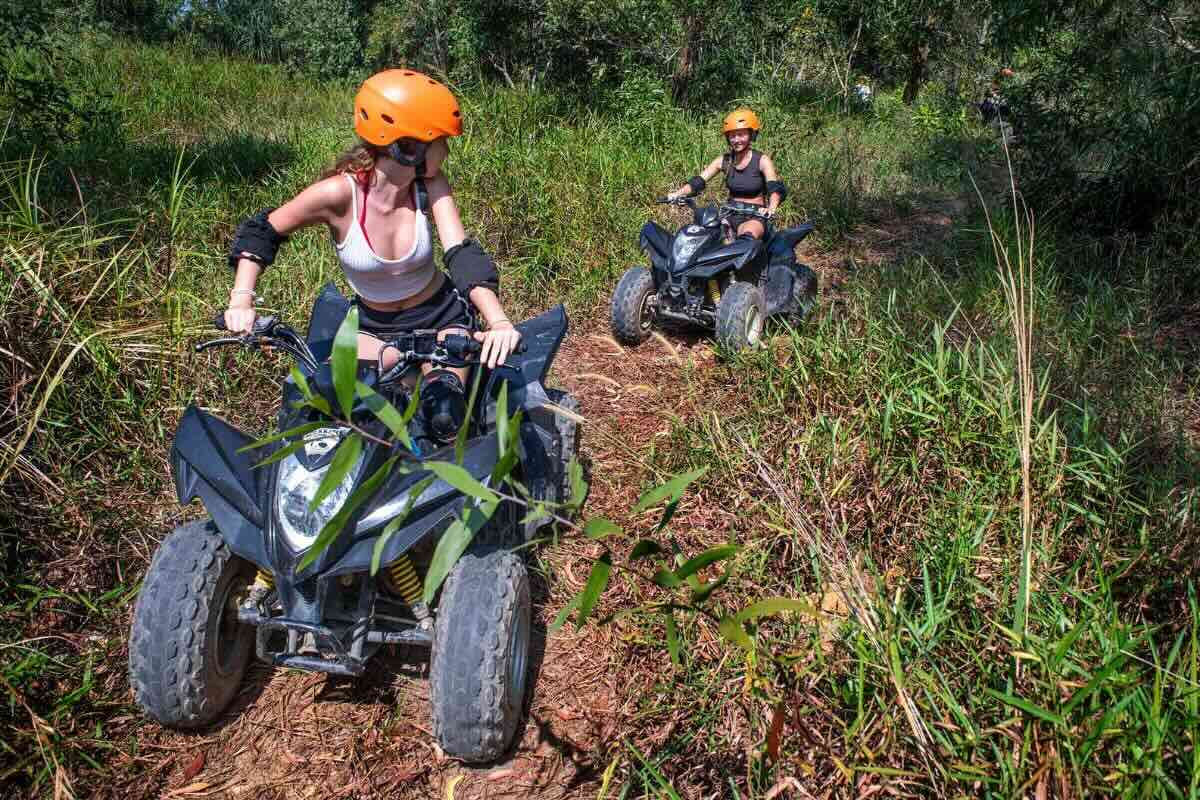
x: 876, y: 451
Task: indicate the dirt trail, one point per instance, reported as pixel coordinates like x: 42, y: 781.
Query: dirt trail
x: 294, y: 734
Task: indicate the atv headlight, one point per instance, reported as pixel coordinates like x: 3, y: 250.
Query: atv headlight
x: 683, y: 248
x: 296, y: 488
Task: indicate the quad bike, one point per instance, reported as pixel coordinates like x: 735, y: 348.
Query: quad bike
x: 699, y: 279
x: 223, y: 588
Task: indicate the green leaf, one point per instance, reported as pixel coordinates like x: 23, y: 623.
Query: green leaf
x: 599, y: 527
x: 343, y: 461
x: 666, y: 579
x: 502, y: 417
x: 710, y: 556
x: 705, y: 591
x: 332, y: 528
x: 1026, y: 706
x: 672, y: 637
x: 772, y: 606
x: 460, y: 441
x: 453, y: 544
x: 345, y: 360
x: 301, y: 382
x: 460, y: 479
x: 579, y: 487
x: 385, y: 412
x: 395, y: 522
x: 645, y: 548
x: 672, y: 489
x: 594, y: 587
x: 560, y: 619
x: 298, y: 431
x: 733, y: 632
x: 414, y: 404
x: 504, y: 466
x: 280, y: 454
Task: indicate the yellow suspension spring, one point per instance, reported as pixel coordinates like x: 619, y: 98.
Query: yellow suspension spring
x: 714, y: 291
x: 405, y: 579
x: 263, y: 578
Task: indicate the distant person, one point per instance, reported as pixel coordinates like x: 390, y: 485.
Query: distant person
x: 749, y: 174
x: 375, y: 201
x: 994, y: 109
x: 861, y: 92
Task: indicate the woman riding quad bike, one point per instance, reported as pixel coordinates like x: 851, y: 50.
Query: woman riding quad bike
x: 238, y: 583
x: 705, y: 277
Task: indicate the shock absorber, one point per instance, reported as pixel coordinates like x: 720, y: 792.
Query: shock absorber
x: 264, y: 579
x: 405, y: 580
x: 714, y: 291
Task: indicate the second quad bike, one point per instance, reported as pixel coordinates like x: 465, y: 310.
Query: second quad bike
x: 225, y: 588
x: 699, y: 278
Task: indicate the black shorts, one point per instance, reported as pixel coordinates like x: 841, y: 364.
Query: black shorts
x: 736, y: 220
x: 445, y: 309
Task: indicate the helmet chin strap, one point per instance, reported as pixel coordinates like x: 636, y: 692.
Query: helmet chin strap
x: 415, y: 160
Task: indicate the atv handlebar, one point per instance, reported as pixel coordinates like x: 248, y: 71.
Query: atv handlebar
x: 725, y: 209
x: 454, y: 350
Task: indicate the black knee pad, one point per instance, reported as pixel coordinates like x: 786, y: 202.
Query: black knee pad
x: 443, y: 402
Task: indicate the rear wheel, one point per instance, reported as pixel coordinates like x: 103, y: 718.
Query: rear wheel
x: 804, y: 293
x: 632, y: 310
x: 187, y: 650
x: 480, y: 658
x: 740, y: 316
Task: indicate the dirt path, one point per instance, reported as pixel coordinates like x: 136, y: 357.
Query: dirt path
x: 293, y: 734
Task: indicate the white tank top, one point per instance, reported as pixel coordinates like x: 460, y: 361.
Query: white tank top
x: 385, y: 280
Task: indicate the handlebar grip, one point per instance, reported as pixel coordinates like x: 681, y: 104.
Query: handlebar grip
x: 663, y: 200
x: 219, y: 321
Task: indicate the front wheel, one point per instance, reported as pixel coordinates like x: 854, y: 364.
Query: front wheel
x: 632, y: 311
x: 740, y: 316
x: 480, y: 654
x: 187, y: 650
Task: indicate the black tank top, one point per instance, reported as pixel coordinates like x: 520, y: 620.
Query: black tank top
x: 745, y: 183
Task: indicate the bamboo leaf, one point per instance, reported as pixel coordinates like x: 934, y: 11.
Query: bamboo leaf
x: 395, y: 522
x: 502, y: 417
x: 733, y: 632
x: 460, y: 441
x: 666, y: 579
x: 343, y: 461
x: 672, y: 489
x: 345, y: 360
x: 644, y: 549
x: 599, y: 527
x: 594, y: 588
x: 579, y: 487
x: 454, y: 543
x: 385, y: 412
x: 672, y: 637
x: 460, y: 479
x: 710, y: 556
x: 299, y: 430
x: 772, y: 606
x: 561, y: 618
x: 332, y: 528
x: 280, y: 454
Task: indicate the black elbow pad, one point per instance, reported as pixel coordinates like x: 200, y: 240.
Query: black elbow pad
x: 697, y: 183
x: 469, y: 266
x: 257, y: 240
x: 777, y: 187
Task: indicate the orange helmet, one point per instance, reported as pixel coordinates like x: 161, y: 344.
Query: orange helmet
x: 402, y: 104
x: 741, y: 118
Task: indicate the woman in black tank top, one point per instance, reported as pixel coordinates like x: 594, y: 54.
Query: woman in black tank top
x: 749, y: 174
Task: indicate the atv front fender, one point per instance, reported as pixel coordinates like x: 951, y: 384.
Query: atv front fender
x: 208, y: 467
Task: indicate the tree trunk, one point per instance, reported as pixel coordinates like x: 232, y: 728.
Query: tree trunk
x: 685, y: 63
x: 916, y: 71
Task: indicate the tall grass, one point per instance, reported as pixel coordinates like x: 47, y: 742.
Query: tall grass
x: 874, y: 458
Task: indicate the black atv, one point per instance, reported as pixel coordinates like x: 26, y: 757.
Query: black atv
x: 227, y: 586
x: 700, y: 278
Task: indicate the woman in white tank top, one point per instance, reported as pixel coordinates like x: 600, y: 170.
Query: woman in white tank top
x: 376, y: 202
